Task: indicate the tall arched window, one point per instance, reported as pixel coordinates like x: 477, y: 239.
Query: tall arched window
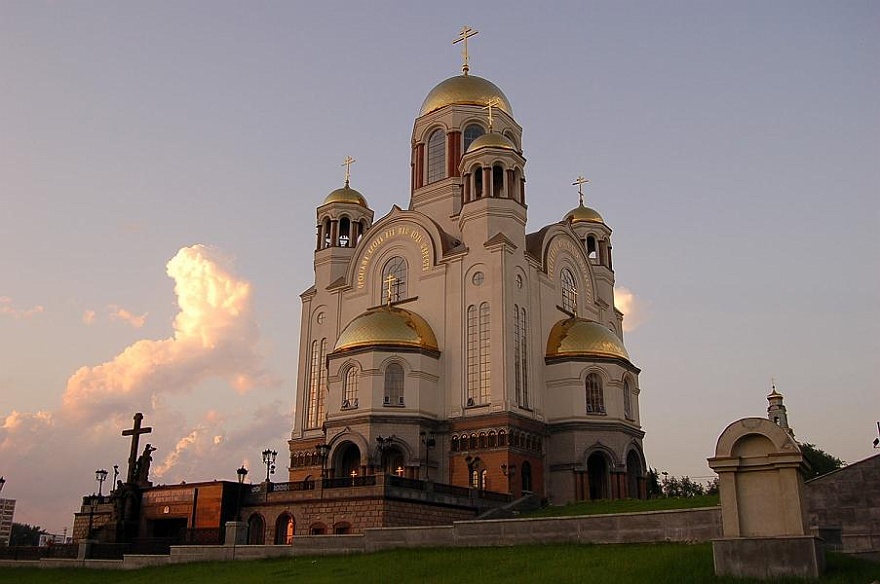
x: 521, y: 356
x: 393, y: 385
x: 396, y: 268
x: 284, y: 528
x: 436, y: 156
x: 595, y: 396
x: 627, y: 400
x: 471, y: 133
x: 344, y: 232
x: 485, y: 363
x: 350, y: 388
x: 317, y: 373
x: 569, y: 291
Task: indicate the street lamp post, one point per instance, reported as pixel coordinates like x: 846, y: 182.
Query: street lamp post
x: 242, y: 473
x: 430, y: 442
x: 2, y: 482
x: 269, y: 461
x: 100, y: 476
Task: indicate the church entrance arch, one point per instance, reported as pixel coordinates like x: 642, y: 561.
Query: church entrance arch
x: 284, y: 528
x: 599, y: 477
x: 633, y: 474
x: 256, y: 530
x: 348, y: 460
x: 392, y: 461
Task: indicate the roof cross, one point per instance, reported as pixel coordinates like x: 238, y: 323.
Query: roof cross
x: 463, y: 36
x: 347, y: 164
x: 580, y: 182
x: 494, y: 102
x: 135, y: 434
x: 390, y: 287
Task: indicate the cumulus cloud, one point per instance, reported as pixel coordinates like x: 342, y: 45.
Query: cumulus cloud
x: 117, y: 313
x: 215, y: 336
x: 89, y: 317
x: 8, y: 309
x: 633, y: 308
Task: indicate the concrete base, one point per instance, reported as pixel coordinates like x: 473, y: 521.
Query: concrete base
x: 236, y: 533
x: 769, y: 557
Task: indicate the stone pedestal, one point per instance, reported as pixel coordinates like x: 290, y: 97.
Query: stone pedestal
x: 85, y: 548
x: 769, y: 557
x: 236, y: 533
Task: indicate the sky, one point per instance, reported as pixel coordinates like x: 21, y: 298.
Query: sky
x: 161, y: 162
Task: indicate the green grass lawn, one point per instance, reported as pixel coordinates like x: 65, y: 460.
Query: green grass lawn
x: 657, y: 563
x: 624, y: 506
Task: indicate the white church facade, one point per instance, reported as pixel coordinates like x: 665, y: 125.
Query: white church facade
x: 443, y: 341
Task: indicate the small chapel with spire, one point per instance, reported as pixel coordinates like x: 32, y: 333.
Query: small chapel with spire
x: 444, y: 341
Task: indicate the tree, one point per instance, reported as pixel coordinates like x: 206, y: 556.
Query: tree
x: 24, y: 534
x: 820, y: 461
x: 653, y: 483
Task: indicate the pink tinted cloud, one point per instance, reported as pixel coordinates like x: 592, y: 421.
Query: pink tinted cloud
x: 88, y: 317
x: 634, y: 309
x: 117, y: 313
x: 8, y: 309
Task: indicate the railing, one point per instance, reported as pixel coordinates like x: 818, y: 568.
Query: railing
x: 32, y: 552
x: 452, y: 490
x: 341, y: 482
x: 396, y: 481
x: 295, y: 486
x: 109, y: 551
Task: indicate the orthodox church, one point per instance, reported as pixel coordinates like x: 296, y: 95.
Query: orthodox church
x: 442, y: 341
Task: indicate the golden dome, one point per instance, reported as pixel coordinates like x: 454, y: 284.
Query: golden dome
x: 492, y: 140
x: 578, y: 337
x: 346, y: 195
x: 583, y: 214
x: 387, y: 326
x: 464, y: 89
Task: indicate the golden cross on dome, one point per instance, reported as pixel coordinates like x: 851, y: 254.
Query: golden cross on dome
x: 580, y: 182
x: 574, y: 301
x: 463, y: 36
x: 347, y: 164
x: 494, y: 102
x: 389, y: 291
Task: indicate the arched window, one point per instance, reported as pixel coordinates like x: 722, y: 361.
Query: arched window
x: 471, y: 133
x: 627, y: 400
x: 350, y: 388
x: 454, y: 444
x: 483, y: 440
x: 521, y: 356
x: 473, y: 364
x: 341, y: 528
x: 569, y: 291
x: 284, y: 528
x: 393, y: 385
x: 436, y: 156
x: 485, y: 363
x: 502, y: 438
x: 478, y: 183
x: 317, y: 529
x: 595, y: 395
x: 526, y: 473
x: 317, y: 374
x: 493, y: 439
x: 394, y: 277
x: 498, y: 181
x: 592, y: 250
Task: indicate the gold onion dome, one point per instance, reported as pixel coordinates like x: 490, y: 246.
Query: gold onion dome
x: 583, y: 214
x: 387, y: 326
x: 346, y: 195
x: 492, y: 140
x: 467, y: 90
x: 578, y: 337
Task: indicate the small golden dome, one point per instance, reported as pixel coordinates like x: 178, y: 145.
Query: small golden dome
x: 583, y: 214
x: 492, y: 140
x: 465, y: 89
x: 578, y: 337
x: 387, y: 326
x: 346, y: 195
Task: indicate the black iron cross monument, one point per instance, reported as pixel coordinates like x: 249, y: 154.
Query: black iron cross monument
x: 135, y: 434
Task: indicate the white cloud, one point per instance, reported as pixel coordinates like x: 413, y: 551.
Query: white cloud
x: 88, y: 317
x: 8, y: 309
x: 117, y: 313
x: 632, y: 307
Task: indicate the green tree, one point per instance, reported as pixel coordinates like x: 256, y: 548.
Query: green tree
x: 820, y: 461
x: 24, y: 534
x: 653, y: 484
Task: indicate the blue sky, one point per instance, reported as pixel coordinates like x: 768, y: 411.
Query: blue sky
x: 732, y: 147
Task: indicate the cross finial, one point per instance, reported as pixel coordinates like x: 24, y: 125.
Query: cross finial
x: 389, y: 281
x: 574, y: 300
x: 463, y: 36
x: 347, y: 164
x: 580, y: 182
x: 494, y: 102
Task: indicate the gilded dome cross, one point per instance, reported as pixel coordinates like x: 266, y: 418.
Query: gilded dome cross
x: 389, y: 292
x: 580, y: 182
x: 347, y: 164
x: 463, y: 36
x: 494, y: 102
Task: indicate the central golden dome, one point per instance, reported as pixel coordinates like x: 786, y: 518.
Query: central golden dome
x: 465, y: 89
x: 578, y: 337
x: 387, y: 326
x: 584, y: 215
x: 346, y: 195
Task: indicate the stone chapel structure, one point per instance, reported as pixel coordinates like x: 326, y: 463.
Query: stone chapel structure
x: 444, y: 341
